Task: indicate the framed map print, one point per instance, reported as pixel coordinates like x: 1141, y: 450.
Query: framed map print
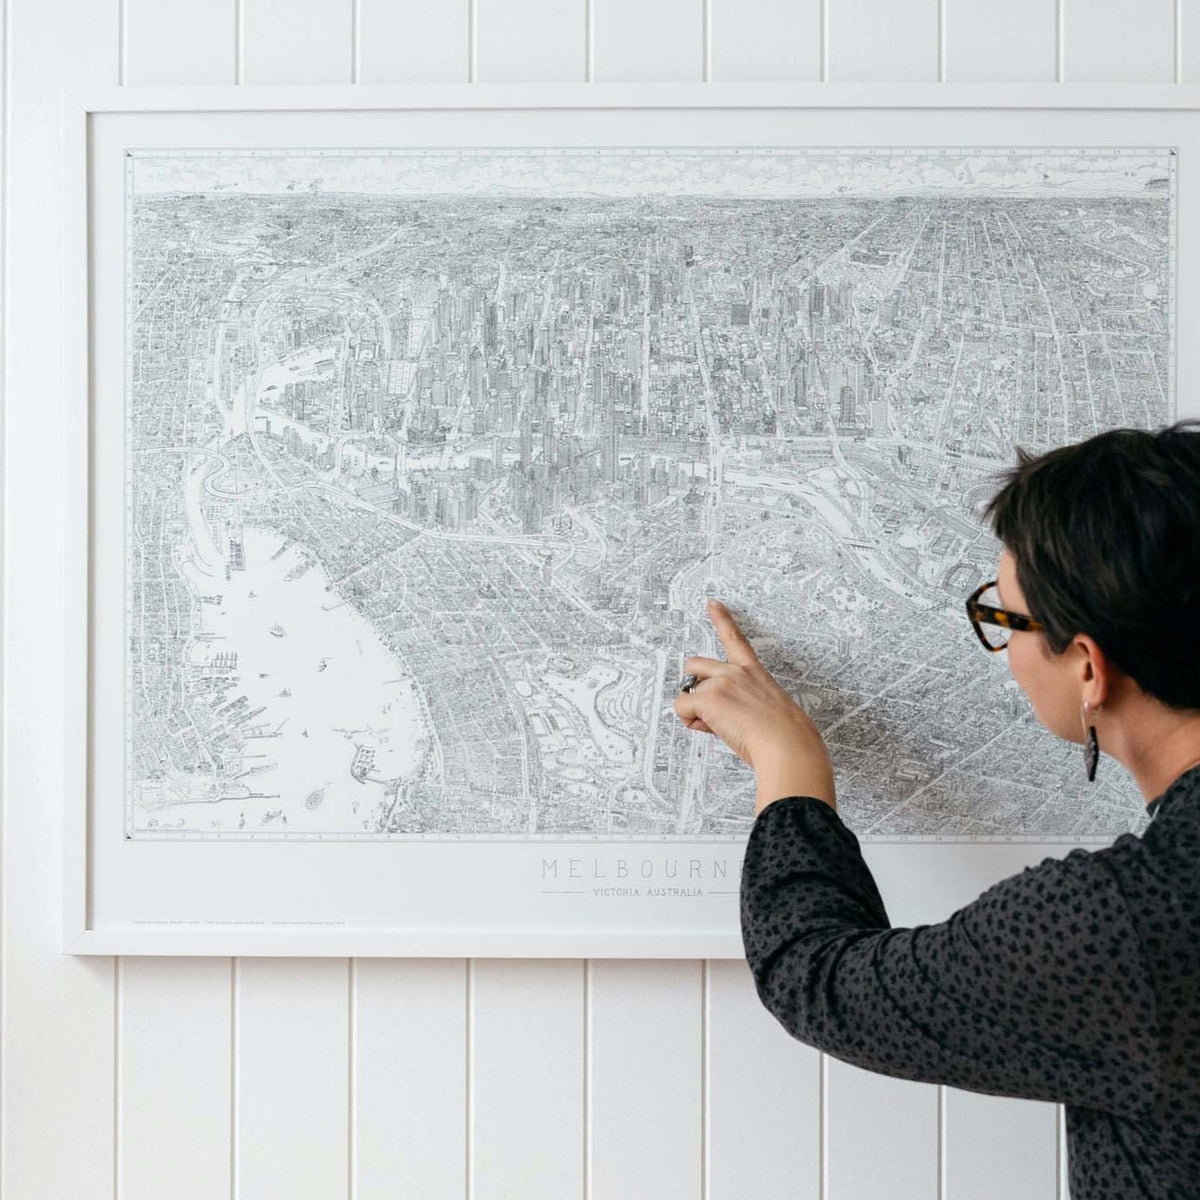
x: 412, y: 428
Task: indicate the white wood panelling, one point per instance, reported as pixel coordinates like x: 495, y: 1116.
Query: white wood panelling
x: 881, y: 1135
x: 765, y: 39
x: 291, y: 1101
x: 1188, y: 33
x: 413, y: 41
x: 1119, y: 40
x: 174, y: 1083
x: 57, y: 1016
x: 997, y: 1147
x: 527, y: 1110
x: 882, y: 40
x: 763, y: 1098
x: 427, y: 1078
x: 990, y: 42
x: 647, y: 40
x: 534, y: 40
x: 410, y: 1078
x: 646, y: 1080
x: 297, y: 41
x: 179, y: 41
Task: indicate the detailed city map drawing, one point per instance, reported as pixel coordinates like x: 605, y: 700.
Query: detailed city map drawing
x: 433, y: 455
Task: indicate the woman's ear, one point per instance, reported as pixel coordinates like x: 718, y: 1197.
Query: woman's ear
x: 1095, y: 671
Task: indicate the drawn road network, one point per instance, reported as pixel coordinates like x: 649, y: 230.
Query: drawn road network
x: 434, y: 455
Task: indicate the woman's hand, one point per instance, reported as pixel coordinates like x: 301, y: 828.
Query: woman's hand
x: 741, y: 703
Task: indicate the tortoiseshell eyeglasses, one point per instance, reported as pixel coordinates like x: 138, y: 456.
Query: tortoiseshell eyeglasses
x: 994, y: 626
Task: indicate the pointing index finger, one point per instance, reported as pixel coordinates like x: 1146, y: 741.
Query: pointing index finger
x: 737, y: 645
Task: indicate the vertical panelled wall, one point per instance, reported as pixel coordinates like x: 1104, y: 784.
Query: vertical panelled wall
x: 431, y: 1080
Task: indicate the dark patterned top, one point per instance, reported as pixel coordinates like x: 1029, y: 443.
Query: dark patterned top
x: 1075, y: 981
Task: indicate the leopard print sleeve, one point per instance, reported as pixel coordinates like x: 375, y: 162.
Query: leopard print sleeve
x: 1075, y: 981
x: 1036, y: 989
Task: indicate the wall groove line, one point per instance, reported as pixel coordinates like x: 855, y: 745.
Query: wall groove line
x: 588, y: 19
x: 941, y: 41
x: 941, y: 1142
x: 122, y: 43
x: 239, y: 38
x: 823, y: 1126
x: 705, y: 1102
x: 5, y: 177
x: 472, y: 40
x: 470, y: 1086
x: 1064, y: 1175
x: 587, y: 1079
x: 1060, y: 40
x: 1058, y: 1156
x: 351, y: 1078
x: 1177, y: 33
x: 116, y: 1076
x: 823, y: 71
x: 234, y: 1056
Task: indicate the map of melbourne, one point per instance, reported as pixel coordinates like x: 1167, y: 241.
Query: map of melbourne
x: 433, y: 456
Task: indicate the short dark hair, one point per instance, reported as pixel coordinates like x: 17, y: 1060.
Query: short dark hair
x: 1105, y: 535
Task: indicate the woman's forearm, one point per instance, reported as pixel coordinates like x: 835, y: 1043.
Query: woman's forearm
x: 805, y: 772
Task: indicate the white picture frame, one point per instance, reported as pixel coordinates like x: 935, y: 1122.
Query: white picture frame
x: 502, y: 917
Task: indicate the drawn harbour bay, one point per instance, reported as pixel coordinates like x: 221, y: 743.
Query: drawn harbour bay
x: 427, y: 487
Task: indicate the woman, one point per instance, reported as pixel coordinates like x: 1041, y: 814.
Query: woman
x: 1078, y: 980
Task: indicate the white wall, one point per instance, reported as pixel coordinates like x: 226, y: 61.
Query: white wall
x: 612, y: 1080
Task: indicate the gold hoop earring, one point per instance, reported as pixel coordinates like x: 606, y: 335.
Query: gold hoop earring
x: 1091, y: 744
